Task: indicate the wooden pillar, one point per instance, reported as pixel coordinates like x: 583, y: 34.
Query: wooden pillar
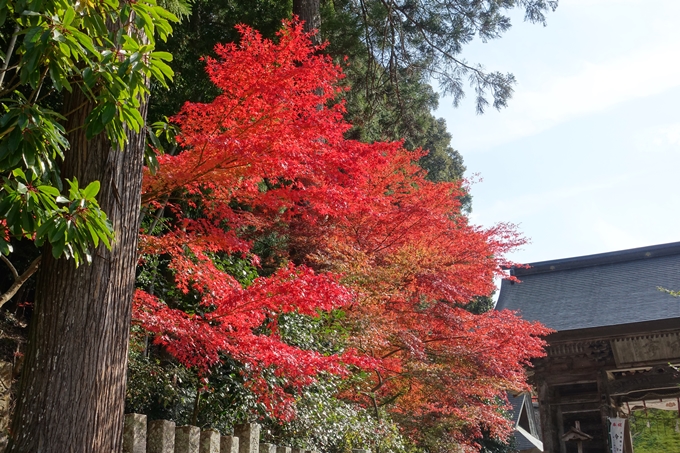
x: 628, y: 439
x: 607, y: 407
x: 557, y: 411
x: 549, y: 421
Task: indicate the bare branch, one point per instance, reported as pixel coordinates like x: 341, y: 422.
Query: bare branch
x: 18, y: 279
x: 8, y: 55
x: 9, y: 264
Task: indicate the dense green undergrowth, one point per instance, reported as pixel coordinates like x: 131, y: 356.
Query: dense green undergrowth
x: 655, y: 431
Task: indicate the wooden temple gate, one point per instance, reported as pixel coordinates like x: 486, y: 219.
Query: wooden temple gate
x: 616, y: 341
x: 590, y: 379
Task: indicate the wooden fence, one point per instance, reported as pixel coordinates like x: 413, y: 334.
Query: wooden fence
x: 162, y: 436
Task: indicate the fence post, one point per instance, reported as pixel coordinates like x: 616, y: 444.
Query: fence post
x: 187, y: 439
x: 134, y: 433
x: 283, y: 450
x: 160, y: 436
x: 298, y: 450
x: 267, y: 448
x: 229, y: 444
x: 210, y: 441
x: 248, y: 437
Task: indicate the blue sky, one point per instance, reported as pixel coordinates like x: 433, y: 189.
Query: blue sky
x: 586, y: 158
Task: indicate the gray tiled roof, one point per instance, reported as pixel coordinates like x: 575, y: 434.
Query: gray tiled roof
x: 516, y: 402
x: 597, y: 290
x: 519, y: 403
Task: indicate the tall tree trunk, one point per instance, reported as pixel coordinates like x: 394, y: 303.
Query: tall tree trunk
x: 309, y: 11
x: 72, y: 391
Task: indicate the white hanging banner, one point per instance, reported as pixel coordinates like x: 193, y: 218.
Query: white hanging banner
x: 616, y: 434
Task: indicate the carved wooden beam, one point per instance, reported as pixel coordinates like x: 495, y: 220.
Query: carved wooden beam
x: 657, y: 378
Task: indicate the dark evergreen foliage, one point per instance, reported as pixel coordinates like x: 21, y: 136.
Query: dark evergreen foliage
x: 429, y: 36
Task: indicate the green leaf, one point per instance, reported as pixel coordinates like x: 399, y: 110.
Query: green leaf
x: 69, y: 15
x: 6, y: 118
x: 164, y: 68
x: 27, y: 222
x: 11, y: 218
x: 122, y: 69
x: 5, y: 247
x: 166, y: 56
x: 58, y: 232
x: 91, y: 190
x: 31, y: 35
x: 58, y: 248
x: 42, y: 231
x: 22, y: 121
x: 14, y: 139
x: 18, y: 172
x: 89, y: 77
x: 48, y: 202
x: 94, y: 126
x: 49, y: 190
x: 83, y: 40
x: 108, y: 112
x: 55, y: 75
x: 165, y: 14
x: 31, y: 59
x: 93, y: 234
x: 57, y: 36
x: 105, y: 232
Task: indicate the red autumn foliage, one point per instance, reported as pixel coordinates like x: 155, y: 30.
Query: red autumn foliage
x: 366, y: 231
x: 266, y: 125
x: 414, y: 262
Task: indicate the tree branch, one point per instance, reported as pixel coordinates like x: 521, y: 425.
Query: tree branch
x: 8, y: 55
x: 18, y: 279
x: 9, y: 264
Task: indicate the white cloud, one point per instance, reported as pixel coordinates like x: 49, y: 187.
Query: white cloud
x: 610, y: 236
x: 527, y: 204
x: 593, y: 88
x: 599, y: 86
x: 591, y: 3
x: 594, y: 55
x: 661, y: 138
x: 608, y: 72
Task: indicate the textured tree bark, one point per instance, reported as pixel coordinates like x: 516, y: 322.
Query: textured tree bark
x: 310, y: 12
x: 72, y: 391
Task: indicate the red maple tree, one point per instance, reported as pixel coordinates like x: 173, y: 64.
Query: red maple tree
x: 364, y: 231
x: 244, y: 157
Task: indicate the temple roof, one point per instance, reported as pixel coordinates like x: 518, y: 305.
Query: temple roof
x: 527, y: 432
x: 597, y: 290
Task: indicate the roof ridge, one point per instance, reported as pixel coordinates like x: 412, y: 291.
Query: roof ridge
x: 619, y: 256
